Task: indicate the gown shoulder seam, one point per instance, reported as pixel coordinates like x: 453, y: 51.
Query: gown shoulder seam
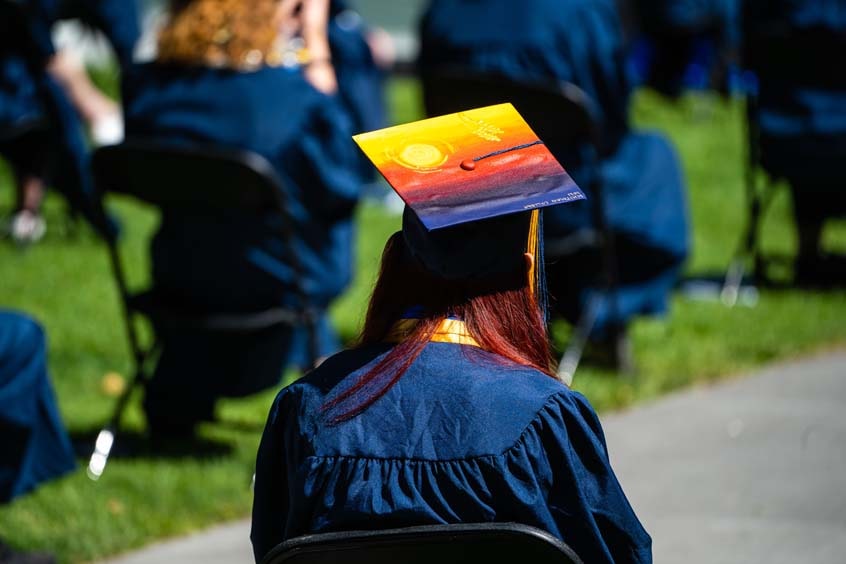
x: 550, y: 401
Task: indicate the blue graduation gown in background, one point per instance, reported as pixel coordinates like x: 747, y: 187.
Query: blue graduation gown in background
x: 462, y: 437
x: 803, y: 128
x: 361, y: 84
x: 681, y: 44
x: 34, y: 446
x: 237, y: 263
x: 580, y: 41
x: 28, y: 95
x: 118, y: 20
x: 690, y: 15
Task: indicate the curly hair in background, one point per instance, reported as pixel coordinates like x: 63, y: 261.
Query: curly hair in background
x: 240, y: 34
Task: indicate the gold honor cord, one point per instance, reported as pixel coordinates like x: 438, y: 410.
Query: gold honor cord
x: 450, y: 331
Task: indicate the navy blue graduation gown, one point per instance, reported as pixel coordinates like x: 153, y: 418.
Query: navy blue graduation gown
x: 682, y: 44
x: 28, y: 95
x: 361, y: 83
x: 462, y: 437
x: 34, y: 446
x: 117, y: 19
x: 802, y: 127
x: 240, y: 263
x: 581, y: 41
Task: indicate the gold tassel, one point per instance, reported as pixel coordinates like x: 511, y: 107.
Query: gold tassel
x: 532, y: 248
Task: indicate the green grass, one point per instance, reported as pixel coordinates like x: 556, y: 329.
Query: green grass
x: 65, y: 283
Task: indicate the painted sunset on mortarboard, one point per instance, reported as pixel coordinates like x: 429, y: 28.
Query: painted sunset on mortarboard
x: 469, y: 165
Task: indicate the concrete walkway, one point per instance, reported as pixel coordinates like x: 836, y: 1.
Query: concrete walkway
x: 752, y: 471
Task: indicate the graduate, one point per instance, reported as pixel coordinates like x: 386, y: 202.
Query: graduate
x: 45, y: 95
x: 685, y: 43
x: 360, y: 56
x: 223, y: 81
x: 802, y: 123
x: 35, y: 447
x: 447, y: 410
x: 580, y: 41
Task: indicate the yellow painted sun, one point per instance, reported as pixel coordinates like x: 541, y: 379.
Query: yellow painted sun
x: 421, y: 155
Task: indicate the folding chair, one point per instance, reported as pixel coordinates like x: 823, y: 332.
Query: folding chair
x: 561, y: 115
x: 775, y: 55
x: 441, y: 544
x: 207, y: 181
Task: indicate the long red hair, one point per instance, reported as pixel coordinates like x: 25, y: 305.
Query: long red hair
x: 500, y: 313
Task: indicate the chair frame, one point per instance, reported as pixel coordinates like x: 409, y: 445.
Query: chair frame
x: 450, y: 89
x: 116, y: 170
x: 408, y: 538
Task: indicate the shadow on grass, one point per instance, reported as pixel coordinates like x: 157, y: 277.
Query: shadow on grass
x: 241, y: 425
x: 780, y: 279
x: 132, y: 444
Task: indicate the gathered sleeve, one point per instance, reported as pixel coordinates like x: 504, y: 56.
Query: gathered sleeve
x: 585, y: 500
x: 270, y: 496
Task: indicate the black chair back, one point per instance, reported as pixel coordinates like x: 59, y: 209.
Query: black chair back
x: 13, y: 25
x: 431, y: 544
x: 798, y: 58
x: 21, y: 129
x: 195, y: 178
x: 560, y: 113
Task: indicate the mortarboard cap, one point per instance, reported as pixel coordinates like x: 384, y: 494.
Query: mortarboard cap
x: 472, y: 183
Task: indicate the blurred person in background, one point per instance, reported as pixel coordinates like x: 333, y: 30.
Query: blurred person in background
x: 224, y: 76
x: 361, y: 56
x: 683, y: 44
x: 46, y: 95
x: 801, y: 119
x: 35, y: 447
x: 581, y: 42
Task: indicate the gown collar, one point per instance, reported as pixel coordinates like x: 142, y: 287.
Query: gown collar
x: 450, y: 331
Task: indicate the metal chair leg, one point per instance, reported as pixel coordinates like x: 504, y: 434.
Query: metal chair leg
x: 610, y: 282
x: 106, y: 438
x: 573, y: 354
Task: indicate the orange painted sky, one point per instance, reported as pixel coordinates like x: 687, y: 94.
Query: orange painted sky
x: 456, y: 136
x: 421, y: 160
